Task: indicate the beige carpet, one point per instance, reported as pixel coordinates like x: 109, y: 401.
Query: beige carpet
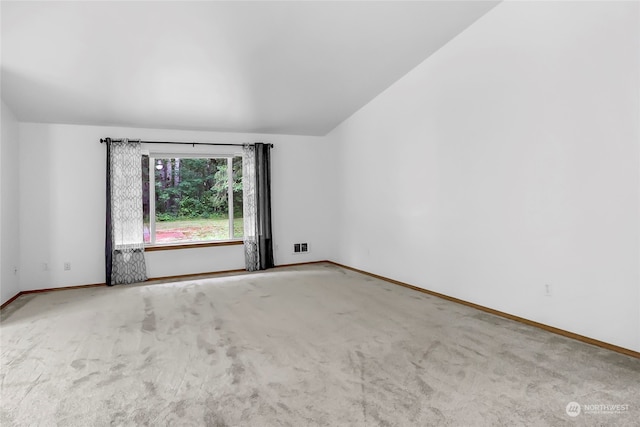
x: 309, y: 345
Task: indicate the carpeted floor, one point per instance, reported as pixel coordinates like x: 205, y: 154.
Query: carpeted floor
x: 308, y: 345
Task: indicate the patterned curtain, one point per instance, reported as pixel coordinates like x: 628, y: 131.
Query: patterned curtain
x: 124, y: 249
x: 256, y: 182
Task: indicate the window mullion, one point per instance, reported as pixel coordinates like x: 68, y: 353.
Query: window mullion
x: 152, y: 200
x: 230, y: 194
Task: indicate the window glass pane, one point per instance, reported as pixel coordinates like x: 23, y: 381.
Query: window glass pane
x: 238, y: 224
x: 191, y: 197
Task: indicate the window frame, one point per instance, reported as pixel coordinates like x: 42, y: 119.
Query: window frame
x: 153, y: 156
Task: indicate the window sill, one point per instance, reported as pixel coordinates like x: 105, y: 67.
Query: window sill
x: 192, y: 245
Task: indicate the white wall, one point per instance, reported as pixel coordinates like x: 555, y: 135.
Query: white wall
x: 506, y: 161
x: 62, y: 172
x: 9, y: 223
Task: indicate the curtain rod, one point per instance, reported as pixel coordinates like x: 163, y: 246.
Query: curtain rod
x: 103, y: 140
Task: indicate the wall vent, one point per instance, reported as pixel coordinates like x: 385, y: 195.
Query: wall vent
x: 300, y: 247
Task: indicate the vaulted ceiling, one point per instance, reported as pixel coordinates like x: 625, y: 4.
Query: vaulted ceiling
x: 270, y: 67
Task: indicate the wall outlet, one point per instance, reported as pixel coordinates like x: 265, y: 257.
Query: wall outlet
x: 67, y: 266
x: 548, y: 290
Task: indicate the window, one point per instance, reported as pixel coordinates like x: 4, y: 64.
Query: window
x: 191, y: 199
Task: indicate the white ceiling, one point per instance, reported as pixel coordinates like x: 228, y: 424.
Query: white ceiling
x: 269, y: 67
